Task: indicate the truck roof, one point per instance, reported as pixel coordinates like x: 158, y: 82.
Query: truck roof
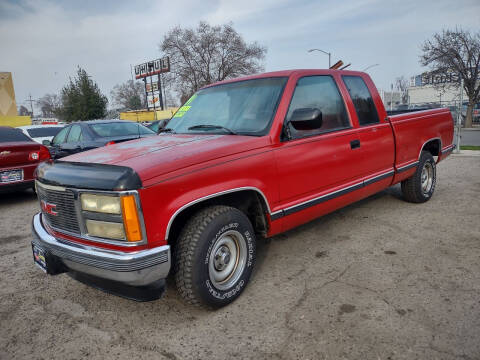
x: 287, y: 73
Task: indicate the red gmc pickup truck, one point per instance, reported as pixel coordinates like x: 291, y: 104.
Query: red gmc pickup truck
x: 241, y: 159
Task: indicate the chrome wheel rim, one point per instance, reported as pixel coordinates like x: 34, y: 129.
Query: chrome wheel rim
x: 426, y: 178
x: 227, y: 259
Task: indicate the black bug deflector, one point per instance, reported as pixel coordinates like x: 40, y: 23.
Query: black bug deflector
x: 88, y: 176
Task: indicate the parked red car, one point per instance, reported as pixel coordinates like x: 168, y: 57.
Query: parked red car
x: 19, y: 157
x: 242, y: 159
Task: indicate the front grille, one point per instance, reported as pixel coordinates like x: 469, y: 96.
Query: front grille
x: 64, y: 201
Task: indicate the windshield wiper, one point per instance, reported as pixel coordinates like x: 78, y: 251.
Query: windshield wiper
x: 166, y: 130
x: 206, y: 126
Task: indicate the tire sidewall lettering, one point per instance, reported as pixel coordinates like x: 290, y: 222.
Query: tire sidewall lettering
x: 237, y: 288
x: 250, y: 248
x: 221, y: 295
x: 233, y: 225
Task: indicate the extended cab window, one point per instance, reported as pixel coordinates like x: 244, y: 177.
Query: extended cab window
x: 318, y: 92
x: 362, y: 100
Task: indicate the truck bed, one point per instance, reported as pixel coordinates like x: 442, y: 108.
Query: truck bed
x: 433, y: 124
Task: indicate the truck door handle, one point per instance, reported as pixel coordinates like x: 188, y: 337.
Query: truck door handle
x: 355, y: 144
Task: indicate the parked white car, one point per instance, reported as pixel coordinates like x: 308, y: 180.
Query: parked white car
x: 39, y: 133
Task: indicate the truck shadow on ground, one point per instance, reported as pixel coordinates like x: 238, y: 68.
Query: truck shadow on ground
x: 16, y: 197
x: 393, y: 192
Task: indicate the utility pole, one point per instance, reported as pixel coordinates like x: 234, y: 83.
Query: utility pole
x: 391, y: 97
x: 459, y: 117
x: 30, y: 100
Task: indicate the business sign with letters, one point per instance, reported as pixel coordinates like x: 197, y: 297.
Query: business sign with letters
x: 153, y: 67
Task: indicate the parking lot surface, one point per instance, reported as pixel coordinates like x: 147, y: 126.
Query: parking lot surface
x: 380, y: 279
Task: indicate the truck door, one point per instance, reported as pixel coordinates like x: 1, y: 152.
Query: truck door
x: 316, y: 165
x: 377, y: 147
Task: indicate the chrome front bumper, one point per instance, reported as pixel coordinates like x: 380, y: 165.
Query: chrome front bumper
x: 138, y: 268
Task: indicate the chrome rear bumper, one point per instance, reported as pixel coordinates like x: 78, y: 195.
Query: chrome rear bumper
x: 138, y: 268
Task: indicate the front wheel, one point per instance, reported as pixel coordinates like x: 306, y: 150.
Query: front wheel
x: 420, y: 187
x: 214, y: 256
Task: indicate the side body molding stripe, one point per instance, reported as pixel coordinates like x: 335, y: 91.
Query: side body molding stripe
x: 332, y: 195
x: 407, y: 167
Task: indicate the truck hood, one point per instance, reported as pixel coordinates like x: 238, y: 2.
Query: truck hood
x: 163, y: 154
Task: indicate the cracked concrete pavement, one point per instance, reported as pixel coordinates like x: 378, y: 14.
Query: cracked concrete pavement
x: 380, y: 279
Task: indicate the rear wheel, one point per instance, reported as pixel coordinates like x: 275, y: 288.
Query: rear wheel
x: 420, y: 187
x: 214, y: 256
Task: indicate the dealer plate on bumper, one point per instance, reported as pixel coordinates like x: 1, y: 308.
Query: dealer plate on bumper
x: 11, y: 176
x: 40, y: 258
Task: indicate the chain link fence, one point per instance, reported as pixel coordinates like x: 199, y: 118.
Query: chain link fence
x: 454, y: 107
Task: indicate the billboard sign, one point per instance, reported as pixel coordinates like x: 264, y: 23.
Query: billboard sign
x: 153, y: 67
x: 153, y: 100
x: 151, y: 86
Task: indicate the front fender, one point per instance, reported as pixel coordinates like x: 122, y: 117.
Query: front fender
x: 163, y: 201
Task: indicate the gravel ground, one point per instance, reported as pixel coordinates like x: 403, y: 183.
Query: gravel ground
x: 380, y: 279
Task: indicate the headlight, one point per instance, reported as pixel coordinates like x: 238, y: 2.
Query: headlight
x: 105, y: 229
x: 101, y: 203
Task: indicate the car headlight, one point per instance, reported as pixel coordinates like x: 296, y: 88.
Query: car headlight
x: 127, y: 227
x: 101, y: 203
x: 104, y: 229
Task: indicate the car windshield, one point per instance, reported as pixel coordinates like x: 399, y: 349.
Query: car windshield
x: 44, y: 131
x: 11, y: 135
x: 112, y: 129
x: 243, y: 107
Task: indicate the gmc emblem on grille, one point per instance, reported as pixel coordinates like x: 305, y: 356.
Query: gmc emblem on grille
x: 48, y: 208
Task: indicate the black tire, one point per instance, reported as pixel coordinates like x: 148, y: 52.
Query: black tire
x: 201, y: 259
x: 413, y: 189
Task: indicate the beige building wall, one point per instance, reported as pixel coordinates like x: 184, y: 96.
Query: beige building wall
x: 429, y: 94
x: 8, y: 106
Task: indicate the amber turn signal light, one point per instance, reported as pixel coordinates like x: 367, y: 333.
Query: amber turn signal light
x: 131, y: 222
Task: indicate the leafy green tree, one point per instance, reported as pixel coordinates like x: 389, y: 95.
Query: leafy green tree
x: 82, y: 99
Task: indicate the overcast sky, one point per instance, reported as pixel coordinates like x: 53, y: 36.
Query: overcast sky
x: 42, y: 41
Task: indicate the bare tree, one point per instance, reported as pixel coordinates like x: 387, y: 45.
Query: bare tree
x: 50, y: 105
x: 456, y: 51
x: 129, y: 95
x: 401, y: 84
x: 207, y: 54
x: 23, y: 111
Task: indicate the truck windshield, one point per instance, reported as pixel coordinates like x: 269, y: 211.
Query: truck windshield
x: 243, y: 107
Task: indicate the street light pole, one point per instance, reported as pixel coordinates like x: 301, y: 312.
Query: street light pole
x: 459, y: 117
x: 368, y: 67
x: 327, y: 53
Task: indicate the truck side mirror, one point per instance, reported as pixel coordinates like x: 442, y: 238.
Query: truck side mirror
x: 306, y: 119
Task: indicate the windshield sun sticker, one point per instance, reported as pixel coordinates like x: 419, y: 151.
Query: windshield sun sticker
x: 180, y: 112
